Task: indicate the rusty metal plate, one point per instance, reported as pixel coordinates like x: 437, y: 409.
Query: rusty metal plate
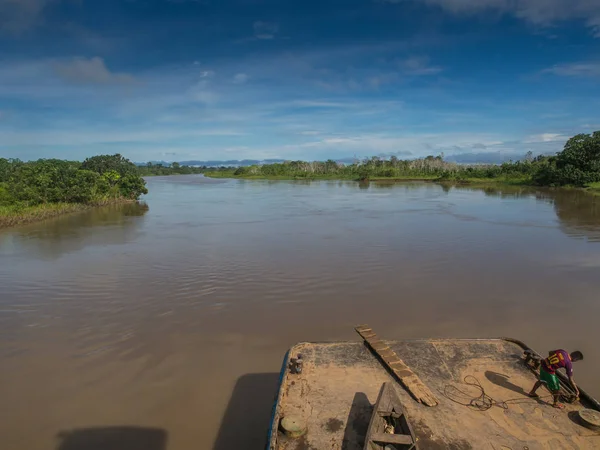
x: 590, y: 418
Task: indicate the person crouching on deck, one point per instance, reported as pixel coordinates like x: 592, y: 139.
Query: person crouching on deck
x: 557, y: 359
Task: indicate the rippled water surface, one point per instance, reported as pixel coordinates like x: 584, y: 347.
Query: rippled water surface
x: 176, y: 316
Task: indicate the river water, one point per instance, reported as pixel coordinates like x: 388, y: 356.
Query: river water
x: 175, y: 317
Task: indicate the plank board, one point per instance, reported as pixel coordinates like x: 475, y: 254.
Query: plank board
x: 411, y: 382
x: 402, y: 439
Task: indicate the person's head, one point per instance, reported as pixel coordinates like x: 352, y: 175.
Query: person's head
x: 576, y: 356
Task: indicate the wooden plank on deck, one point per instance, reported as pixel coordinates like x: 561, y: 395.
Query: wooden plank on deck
x: 411, y: 382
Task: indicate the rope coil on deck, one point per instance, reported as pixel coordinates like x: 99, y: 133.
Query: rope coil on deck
x: 483, y: 401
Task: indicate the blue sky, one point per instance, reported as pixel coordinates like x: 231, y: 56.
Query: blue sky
x: 231, y: 79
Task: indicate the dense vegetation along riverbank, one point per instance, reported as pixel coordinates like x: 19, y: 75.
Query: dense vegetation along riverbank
x: 36, y: 190
x: 578, y: 164
x: 156, y: 169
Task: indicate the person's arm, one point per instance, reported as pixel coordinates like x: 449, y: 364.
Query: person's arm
x: 573, y: 385
x: 569, y: 369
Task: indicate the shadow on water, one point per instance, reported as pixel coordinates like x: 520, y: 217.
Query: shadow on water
x: 579, y: 214
x: 577, y: 211
x: 113, y: 438
x: 247, y: 418
x: 110, y: 225
x: 357, y: 424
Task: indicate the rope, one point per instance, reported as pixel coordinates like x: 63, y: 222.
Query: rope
x: 483, y: 401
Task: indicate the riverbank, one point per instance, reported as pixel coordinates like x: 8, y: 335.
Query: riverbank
x: 593, y: 188
x: 576, y: 165
x: 11, y: 216
x: 231, y: 174
x: 32, y: 191
x: 314, y: 177
x: 377, y: 179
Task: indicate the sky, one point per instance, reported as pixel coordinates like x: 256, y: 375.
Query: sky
x: 179, y: 80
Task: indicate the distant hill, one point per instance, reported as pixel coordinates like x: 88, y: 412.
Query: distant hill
x: 218, y: 163
x: 460, y: 158
x: 231, y: 162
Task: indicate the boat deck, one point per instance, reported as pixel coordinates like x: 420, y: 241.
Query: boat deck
x: 339, y: 383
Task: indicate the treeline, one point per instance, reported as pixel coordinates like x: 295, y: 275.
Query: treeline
x: 158, y: 169
x: 578, y: 164
x: 108, y: 178
x: 97, y: 180
x: 431, y: 167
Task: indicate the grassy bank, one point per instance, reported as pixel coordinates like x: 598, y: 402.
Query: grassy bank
x: 501, y: 180
x: 513, y: 180
x: 594, y: 188
x: 14, y: 215
x: 516, y: 180
x: 11, y: 216
x: 313, y: 176
x: 248, y: 176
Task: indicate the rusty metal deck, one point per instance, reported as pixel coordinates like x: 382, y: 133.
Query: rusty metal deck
x: 340, y: 382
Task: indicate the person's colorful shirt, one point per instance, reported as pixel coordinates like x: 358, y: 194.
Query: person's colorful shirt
x: 558, y: 359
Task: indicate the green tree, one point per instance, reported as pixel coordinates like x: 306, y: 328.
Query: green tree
x: 121, y: 174
x: 132, y: 187
x: 578, y: 164
x: 106, y: 163
x: 6, y: 168
x: 86, y: 186
x: 112, y: 177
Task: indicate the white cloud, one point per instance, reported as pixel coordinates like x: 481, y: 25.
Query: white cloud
x: 265, y: 30
x: 240, y: 78
x: 90, y: 71
x: 419, y: 65
x: 201, y: 92
x: 321, y: 104
x: 545, y: 137
x: 409, y: 67
x: 175, y: 109
x: 582, y: 69
x: 339, y: 140
x: 379, y: 80
x: 92, y: 136
x: 537, y: 12
x: 204, y: 90
x: 414, y: 144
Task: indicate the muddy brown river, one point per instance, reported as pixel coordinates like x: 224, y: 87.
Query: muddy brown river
x: 164, y: 327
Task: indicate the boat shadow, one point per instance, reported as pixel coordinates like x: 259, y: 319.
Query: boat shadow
x: 247, y: 418
x: 113, y: 438
x: 357, y: 424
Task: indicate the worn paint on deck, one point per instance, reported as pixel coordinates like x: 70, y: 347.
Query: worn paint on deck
x: 340, y: 383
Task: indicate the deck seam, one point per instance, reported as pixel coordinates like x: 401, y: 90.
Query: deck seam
x: 443, y: 362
